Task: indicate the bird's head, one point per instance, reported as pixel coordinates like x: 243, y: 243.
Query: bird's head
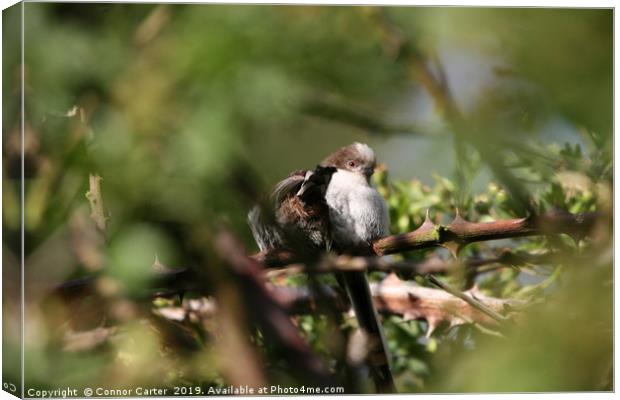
x: 357, y: 158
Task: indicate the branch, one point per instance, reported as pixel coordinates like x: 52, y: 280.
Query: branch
x: 474, y: 265
x: 394, y: 296
x: 460, y: 232
x: 275, y: 258
x: 454, y: 236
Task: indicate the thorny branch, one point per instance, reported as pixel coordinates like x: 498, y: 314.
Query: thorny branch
x: 460, y: 232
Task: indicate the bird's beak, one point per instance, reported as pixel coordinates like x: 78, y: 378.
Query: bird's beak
x: 368, y: 171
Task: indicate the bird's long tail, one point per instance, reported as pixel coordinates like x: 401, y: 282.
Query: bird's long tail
x: 358, y: 290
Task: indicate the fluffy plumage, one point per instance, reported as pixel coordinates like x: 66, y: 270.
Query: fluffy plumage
x: 357, y: 212
x: 296, y: 216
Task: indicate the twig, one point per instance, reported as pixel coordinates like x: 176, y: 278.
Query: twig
x: 275, y: 258
x: 470, y: 300
x: 342, y: 263
x: 96, y: 202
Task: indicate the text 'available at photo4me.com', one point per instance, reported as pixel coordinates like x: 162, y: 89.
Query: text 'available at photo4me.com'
x: 238, y: 390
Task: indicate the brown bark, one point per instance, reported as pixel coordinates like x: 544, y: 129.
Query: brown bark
x: 461, y: 232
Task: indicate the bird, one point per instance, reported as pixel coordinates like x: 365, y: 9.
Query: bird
x: 333, y: 207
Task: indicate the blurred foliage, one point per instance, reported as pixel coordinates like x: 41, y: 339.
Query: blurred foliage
x: 191, y: 112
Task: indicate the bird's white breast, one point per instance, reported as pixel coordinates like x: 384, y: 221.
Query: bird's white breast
x: 358, y: 214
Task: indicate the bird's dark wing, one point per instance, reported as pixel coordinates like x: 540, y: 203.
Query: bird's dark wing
x: 297, y: 217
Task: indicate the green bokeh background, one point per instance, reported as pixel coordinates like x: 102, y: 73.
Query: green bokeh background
x: 190, y: 113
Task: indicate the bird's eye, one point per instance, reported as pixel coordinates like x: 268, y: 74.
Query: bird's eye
x: 351, y: 163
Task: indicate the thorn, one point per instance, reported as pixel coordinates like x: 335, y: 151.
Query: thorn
x: 157, y: 265
x: 454, y: 322
x: 457, y: 218
x: 432, y: 325
x: 408, y: 316
x: 427, y: 220
x: 391, y: 279
x: 453, y: 247
x: 475, y: 290
x: 576, y: 236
